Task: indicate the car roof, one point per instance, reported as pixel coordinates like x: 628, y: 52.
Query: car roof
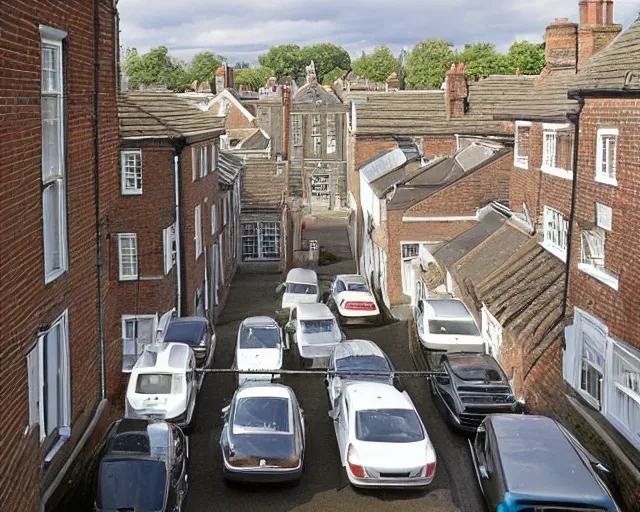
x: 314, y: 311
x: 265, y: 391
x: 259, y: 321
x: 535, y: 445
x: 446, y: 308
x: 164, y: 357
x: 460, y: 361
x: 356, y: 348
x: 302, y: 275
x: 376, y: 395
x: 189, y: 319
x: 351, y: 278
x: 142, y: 438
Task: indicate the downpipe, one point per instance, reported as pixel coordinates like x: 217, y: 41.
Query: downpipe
x: 176, y: 186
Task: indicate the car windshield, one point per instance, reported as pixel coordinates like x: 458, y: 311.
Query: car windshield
x: 357, y: 287
x: 131, y: 485
x: 316, y: 326
x: 259, y: 337
x: 365, y: 363
x: 306, y: 289
x: 154, y: 384
x: 475, y: 369
x: 261, y: 414
x: 388, y: 426
x: 453, y: 327
x: 185, y: 332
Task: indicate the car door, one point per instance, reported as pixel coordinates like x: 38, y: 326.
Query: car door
x: 419, y: 316
x: 179, y: 477
x: 294, y: 336
x: 342, y: 428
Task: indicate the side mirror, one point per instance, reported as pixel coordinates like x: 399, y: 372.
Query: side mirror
x: 421, y: 306
x: 483, y: 472
x: 290, y: 328
x: 225, y: 412
x: 600, y: 467
x: 280, y: 288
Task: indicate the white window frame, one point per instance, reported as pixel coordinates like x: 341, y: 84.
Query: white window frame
x: 125, y: 174
x: 261, y: 228
x: 203, y: 153
x: 214, y: 158
x: 225, y: 210
x: 613, y: 386
x: 122, y: 275
x: 197, y: 226
x: 54, y: 182
x: 332, y: 138
x: 606, y: 176
x: 168, y: 246
x: 557, y: 249
x: 214, y: 218
x: 316, y: 134
x: 521, y: 162
x: 296, y: 129
x: 123, y: 325
x: 491, y: 332
x: 598, y: 272
x: 550, y: 151
x: 604, y: 216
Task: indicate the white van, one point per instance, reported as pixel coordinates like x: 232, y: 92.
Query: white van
x: 300, y: 287
x: 163, y: 384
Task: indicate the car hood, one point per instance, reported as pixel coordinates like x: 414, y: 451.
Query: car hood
x: 392, y: 455
x: 289, y: 300
x: 259, y: 359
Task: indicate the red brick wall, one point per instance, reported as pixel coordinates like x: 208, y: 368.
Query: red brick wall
x: 27, y: 301
x: 235, y: 118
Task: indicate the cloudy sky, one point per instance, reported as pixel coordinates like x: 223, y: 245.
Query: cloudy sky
x: 244, y: 30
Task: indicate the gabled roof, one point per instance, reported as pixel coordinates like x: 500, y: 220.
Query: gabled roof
x: 313, y: 92
x: 162, y: 115
x: 232, y: 96
x: 617, y: 67
x: 230, y: 167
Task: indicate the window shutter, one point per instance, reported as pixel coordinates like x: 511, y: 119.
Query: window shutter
x: 194, y: 164
x: 33, y: 372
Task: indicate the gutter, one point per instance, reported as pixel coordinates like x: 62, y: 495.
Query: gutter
x: 177, y: 167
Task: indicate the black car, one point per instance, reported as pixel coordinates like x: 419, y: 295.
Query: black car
x: 143, y: 468
x: 530, y: 463
x: 198, y: 333
x: 470, y: 386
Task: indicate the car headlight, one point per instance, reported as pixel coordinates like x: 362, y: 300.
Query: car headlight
x: 202, y: 342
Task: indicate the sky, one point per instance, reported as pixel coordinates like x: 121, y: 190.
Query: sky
x: 241, y: 31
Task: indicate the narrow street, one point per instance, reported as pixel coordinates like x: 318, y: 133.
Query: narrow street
x: 323, y: 486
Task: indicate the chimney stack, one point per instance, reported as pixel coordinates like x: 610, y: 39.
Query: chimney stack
x: 596, y: 28
x: 456, y: 91
x: 561, y: 43
x: 286, y: 120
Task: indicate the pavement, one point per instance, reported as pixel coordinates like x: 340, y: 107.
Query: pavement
x: 324, y: 486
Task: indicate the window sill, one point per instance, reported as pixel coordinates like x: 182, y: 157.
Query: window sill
x: 128, y: 278
x: 604, y: 277
x: 131, y: 192
x: 558, y: 253
x: 612, y: 182
x: 521, y: 165
x: 52, y: 276
x: 559, y: 173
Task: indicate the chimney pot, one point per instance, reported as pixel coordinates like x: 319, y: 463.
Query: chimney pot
x: 596, y: 29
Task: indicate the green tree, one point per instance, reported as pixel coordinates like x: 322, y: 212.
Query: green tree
x: 176, y: 76
x: 284, y: 60
x: 332, y: 76
x: 326, y: 57
x: 481, y: 59
x: 131, y: 66
x: 528, y: 57
x: 253, y: 78
x: 203, y: 66
x: 427, y: 64
x: 376, y: 67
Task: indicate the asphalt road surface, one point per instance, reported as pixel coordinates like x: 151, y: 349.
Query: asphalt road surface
x: 324, y: 486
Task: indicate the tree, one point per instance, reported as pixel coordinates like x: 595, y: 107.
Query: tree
x: 203, y: 66
x: 332, y: 76
x: 252, y: 78
x: 481, y: 59
x: 284, y: 60
x: 376, y: 67
x: 527, y: 57
x: 428, y: 62
x: 326, y: 57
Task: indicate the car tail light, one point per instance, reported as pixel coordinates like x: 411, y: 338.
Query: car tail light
x: 360, y: 306
x: 354, y: 463
x: 429, y: 469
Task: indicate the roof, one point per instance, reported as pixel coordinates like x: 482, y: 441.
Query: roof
x: 257, y: 139
x: 374, y: 395
x: 264, y: 391
x: 617, y: 67
x: 229, y: 168
x: 164, y: 356
x: 259, y: 321
x: 357, y: 348
x: 384, y: 163
x: 189, y: 319
x: 313, y: 92
x: 232, y: 96
x: 163, y: 115
x: 262, y: 185
x: 314, y: 311
x: 446, y: 308
x: 302, y: 275
x: 535, y: 445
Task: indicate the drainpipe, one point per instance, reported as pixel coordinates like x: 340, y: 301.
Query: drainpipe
x: 176, y: 188
x: 575, y: 119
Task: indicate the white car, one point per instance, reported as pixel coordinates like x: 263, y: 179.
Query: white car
x: 300, y: 287
x: 382, y: 440
x: 352, y: 300
x: 259, y: 347
x: 312, y: 332
x: 447, y: 325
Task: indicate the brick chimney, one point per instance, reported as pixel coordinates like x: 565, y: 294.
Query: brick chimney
x: 456, y: 91
x: 561, y: 45
x: 596, y: 28
x: 286, y: 120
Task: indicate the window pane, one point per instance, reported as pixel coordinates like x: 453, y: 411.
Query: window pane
x: 51, y: 137
x: 128, y: 256
x: 50, y: 69
x: 145, y: 329
x: 270, y: 239
x: 53, y: 395
x: 130, y: 329
x: 53, y: 216
x: 132, y: 169
x: 250, y: 240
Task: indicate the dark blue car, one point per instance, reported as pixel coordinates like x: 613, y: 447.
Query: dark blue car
x: 532, y: 464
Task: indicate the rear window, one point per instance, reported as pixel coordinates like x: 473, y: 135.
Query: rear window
x: 476, y: 370
x: 363, y: 363
x: 453, y: 327
x: 306, y: 289
x: 388, y: 426
x: 132, y: 485
x: 259, y: 337
x: 154, y: 384
x: 357, y: 287
x: 316, y: 326
x: 185, y: 332
x: 261, y: 415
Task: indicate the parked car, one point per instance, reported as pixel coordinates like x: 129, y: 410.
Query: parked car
x: 259, y: 347
x: 198, y: 333
x: 144, y: 467
x: 447, y: 324
x: 471, y: 386
x: 352, y: 301
x: 263, y: 437
x: 532, y: 463
x: 349, y: 359
x: 312, y: 332
x: 382, y: 440
x: 301, y: 286
x: 163, y: 385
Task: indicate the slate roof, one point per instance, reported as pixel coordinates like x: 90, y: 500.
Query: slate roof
x: 230, y: 167
x: 262, y: 186
x: 163, y: 115
x: 617, y: 67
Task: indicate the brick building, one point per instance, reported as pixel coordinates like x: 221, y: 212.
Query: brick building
x: 58, y: 89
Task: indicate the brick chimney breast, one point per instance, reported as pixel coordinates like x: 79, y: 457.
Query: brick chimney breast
x: 596, y: 28
x: 561, y: 42
x: 456, y: 90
